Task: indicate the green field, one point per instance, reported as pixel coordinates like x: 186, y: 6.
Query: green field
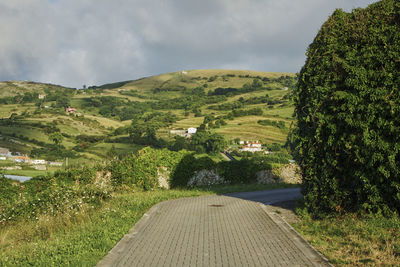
x: 33, y: 123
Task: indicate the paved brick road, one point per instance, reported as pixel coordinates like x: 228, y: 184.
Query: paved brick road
x: 212, y: 231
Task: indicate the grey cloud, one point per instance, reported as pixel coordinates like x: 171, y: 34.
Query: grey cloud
x: 73, y: 42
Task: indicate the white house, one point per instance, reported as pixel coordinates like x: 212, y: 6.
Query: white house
x: 191, y: 130
x: 38, y: 161
x: 252, y: 146
x: 3, y: 158
x: 54, y: 163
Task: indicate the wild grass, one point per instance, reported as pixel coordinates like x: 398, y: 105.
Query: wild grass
x: 85, y: 237
x: 354, y: 240
x: 247, y: 128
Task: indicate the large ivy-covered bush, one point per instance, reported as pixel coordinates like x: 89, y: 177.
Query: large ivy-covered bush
x: 348, y: 109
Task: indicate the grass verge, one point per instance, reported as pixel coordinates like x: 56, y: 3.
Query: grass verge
x: 353, y: 240
x: 82, y: 239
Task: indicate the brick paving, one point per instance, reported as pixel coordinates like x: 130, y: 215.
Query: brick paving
x: 212, y: 231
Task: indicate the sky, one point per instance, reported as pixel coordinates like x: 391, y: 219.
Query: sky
x: 93, y: 42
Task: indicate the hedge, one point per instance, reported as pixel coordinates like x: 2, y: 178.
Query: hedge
x: 347, y: 106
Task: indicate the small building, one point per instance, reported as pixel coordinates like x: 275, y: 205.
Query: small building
x: 38, y: 161
x: 55, y: 163
x: 191, y: 130
x: 70, y: 109
x: 3, y: 158
x: 21, y: 159
x: 41, y: 96
x: 252, y: 146
x: 4, y: 151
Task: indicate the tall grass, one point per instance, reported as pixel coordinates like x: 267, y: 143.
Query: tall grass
x: 83, y: 237
x: 354, y: 240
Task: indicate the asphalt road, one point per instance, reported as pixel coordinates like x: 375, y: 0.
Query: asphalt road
x: 270, y: 196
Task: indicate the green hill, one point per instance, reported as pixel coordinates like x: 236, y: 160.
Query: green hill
x: 237, y: 104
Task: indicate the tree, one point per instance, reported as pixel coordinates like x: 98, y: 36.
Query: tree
x: 62, y: 101
x: 257, y: 83
x: 347, y: 105
x: 56, y: 138
x: 211, y: 142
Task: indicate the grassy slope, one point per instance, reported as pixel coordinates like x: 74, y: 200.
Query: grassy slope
x: 11, y: 88
x: 84, y: 238
x: 353, y: 240
x: 245, y: 128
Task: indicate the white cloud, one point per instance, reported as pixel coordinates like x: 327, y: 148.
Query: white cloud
x: 73, y: 42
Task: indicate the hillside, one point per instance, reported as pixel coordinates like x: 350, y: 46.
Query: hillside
x: 13, y: 88
x: 245, y: 105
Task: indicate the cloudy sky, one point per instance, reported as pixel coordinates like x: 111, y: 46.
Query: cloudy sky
x: 92, y: 42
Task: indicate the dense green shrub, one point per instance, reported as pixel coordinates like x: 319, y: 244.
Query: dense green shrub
x: 348, y: 107
x: 65, y: 191
x: 187, y: 167
x: 140, y: 170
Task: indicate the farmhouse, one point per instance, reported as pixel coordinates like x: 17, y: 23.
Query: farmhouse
x: 41, y: 96
x: 38, y: 161
x: 70, y: 109
x: 22, y: 159
x: 54, y: 163
x: 252, y: 146
x: 185, y: 133
x: 191, y: 130
x: 4, y: 151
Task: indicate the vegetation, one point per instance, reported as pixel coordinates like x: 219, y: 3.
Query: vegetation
x: 76, y: 216
x: 132, y: 114
x: 347, y: 107
x: 353, y: 240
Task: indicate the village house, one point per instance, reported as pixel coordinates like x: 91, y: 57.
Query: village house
x: 252, y: 146
x: 21, y: 159
x: 4, y: 151
x: 70, y: 109
x: 38, y: 161
x: 54, y: 163
x: 191, y: 130
x: 184, y: 133
x: 41, y: 96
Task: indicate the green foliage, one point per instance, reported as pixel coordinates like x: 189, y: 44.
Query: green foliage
x: 141, y: 170
x: 235, y: 172
x: 50, y: 195
x: 245, y: 112
x: 56, y: 137
x: 187, y: 167
x: 348, y: 110
x: 207, y: 141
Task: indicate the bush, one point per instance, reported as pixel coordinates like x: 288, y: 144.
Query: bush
x: 347, y: 106
x: 187, y: 168
x: 140, y: 170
